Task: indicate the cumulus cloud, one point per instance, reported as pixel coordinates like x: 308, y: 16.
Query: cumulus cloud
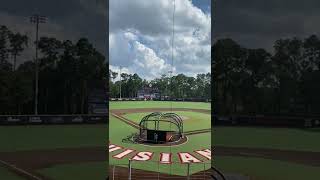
x: 140, y: 37
x: 135, y: 56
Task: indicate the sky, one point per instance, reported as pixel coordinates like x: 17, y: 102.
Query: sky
x: 258, y: 23
x: 145, y: 25
x: 67, y: 19
x: 140, y: 36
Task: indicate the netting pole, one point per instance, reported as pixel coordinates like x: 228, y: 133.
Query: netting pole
x: 113, y: 170
x: 204, y: 170
x: 158, y: 170
x: 129, y: 169
x: 171, y: 73
x: 188, y: 171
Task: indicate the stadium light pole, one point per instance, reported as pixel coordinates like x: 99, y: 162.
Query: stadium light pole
x: 120, y: 81
x: 37, y: 19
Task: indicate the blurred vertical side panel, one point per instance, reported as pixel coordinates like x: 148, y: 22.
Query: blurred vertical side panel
x: 266, y: 89
x: 53, y: 89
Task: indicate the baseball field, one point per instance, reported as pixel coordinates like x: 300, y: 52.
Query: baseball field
x: 124, y: 121
x: 80, y: 151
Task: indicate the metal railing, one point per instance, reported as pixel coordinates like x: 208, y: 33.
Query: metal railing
x: 134, y: 170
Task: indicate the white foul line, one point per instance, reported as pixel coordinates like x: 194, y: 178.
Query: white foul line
x: 20, y: 170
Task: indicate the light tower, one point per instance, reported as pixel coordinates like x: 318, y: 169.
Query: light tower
x: 37, y: 19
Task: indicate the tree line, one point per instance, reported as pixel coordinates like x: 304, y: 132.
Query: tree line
x: 254, y: 81
x: 67, y: 72
x: 178, y: 86
x: 250, y: 81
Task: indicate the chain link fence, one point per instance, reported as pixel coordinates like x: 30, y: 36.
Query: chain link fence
x: 158, y: 171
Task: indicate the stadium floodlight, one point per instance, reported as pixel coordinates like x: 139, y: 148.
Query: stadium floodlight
x: 37, y: 19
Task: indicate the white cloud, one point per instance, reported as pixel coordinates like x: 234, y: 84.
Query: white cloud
x: 136, y: 58
x: 148, y: 63
x: 140, y: 37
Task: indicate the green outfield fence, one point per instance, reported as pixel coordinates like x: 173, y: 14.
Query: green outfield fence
x: 174, y: 171
x: 53, y: 119
x: 162, y: 99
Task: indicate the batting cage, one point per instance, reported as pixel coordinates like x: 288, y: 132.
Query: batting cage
x: 160, y: 127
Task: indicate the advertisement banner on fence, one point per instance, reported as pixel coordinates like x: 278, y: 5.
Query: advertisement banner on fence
x: 52, y: 119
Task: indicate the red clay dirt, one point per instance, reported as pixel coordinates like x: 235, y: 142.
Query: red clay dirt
x: 300, y: 157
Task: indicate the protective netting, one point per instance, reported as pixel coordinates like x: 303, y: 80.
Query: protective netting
x: 160, y: 127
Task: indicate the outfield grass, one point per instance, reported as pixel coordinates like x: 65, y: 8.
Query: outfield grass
x: 119, y: 130
x: 194, y: 121
x: 8, y: 175
x: 273, y: 138
x: 18, y: 138
x: 84, y: 171
x: 264, y: 169
x: 158, y: 104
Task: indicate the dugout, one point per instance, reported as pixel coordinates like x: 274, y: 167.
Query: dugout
x: 160, y: 127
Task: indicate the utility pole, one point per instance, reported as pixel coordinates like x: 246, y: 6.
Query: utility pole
x: 120, y: 81
x: 37, y: 19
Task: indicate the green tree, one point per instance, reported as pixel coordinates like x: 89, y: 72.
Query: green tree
x: 18, y: 42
